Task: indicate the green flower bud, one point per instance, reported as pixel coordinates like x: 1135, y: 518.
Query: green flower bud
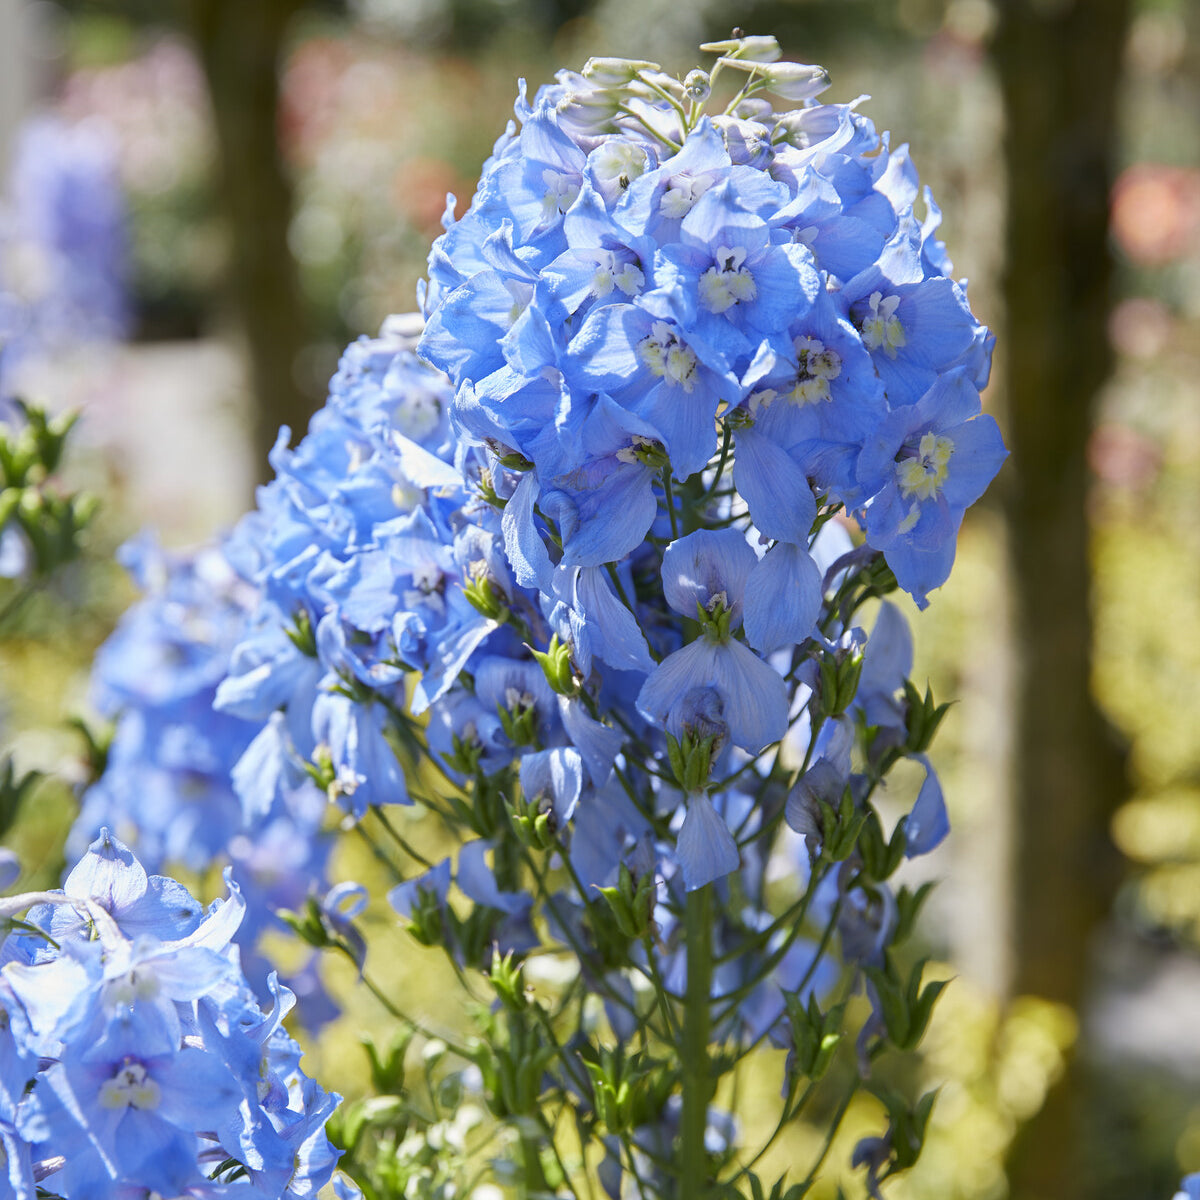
x: 815, y: 1035
x: 631, y: 901
x: 486, y: 598
x: 507, y: 982
x: 533, y: 822
x: 921, y: 718
x: 301, y: 633
x: 880, y: 856
x: 555, y: 662
x: 691, y: 759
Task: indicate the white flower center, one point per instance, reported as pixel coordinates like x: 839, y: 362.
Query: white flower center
x: 133, y: 986
x: 610, y: 273
x: 561, y: 190
x: 619, y: 162
x: 667, y: 357
x: 130, y: 1086
x: 427, y: 588
x: 922, y: 475
x: 406, y: 497
x: 727, y: 282
x: 816, y: 365
x: 418, y: 416
x: 881, y: 329
x: 629, y: 454
x: 521, y: 293
x: 681, y: 195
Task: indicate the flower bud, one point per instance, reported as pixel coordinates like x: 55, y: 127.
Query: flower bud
x: 792, y: 81
x: 614, y: 72
x: 555, y: 662
x: 533, y: 822
x: 697, y: 87
x: 757, y: 49
x: 506, y: 980
x: 815, y: 1035
x: 880, y: 855
x: 921, y: 718
x: 486, y: 598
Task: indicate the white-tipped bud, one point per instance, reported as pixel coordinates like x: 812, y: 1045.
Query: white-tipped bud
x: 751, y: 49
x: 697, y: 87
x: 589, y: 113
x: 796, y: 81
x: 792, y: 81
x: 614, y: 72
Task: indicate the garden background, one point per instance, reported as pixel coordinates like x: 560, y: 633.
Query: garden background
x: 284, y: 167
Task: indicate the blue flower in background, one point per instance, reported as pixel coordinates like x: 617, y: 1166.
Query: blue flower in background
x: 63, y: 245
x: 132, y: 1027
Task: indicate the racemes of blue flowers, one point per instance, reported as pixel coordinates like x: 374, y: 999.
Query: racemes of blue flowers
x: 135, y: 1057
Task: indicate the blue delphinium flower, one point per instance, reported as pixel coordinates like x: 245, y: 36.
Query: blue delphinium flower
x: 168, y: 784
x: 144, y: 1060
x: 1191, y: 1188
x: 763, y: 274
x: 706, y: 574
x: 63, y: 245
x: 925, y: 465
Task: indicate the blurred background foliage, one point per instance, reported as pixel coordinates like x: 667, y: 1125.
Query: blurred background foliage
x: 285, y: 166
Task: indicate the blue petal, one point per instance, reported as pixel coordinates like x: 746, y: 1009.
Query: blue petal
x: 928, y: 823
x: 436, y: 881
x: 775, y: 488
x: 526, y: 551
x: 704, y: 564
x: 783, y: 598
x: 109, y: 874
x: 599, y: 744
x: 556, y: 774
x: 610, y: 629
x: 705, y: 847
x: 755, y: 696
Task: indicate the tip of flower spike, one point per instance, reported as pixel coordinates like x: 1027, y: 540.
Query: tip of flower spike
x: 754, y: 49
x: 612, y: 72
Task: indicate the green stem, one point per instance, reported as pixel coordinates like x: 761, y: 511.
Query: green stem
x: 396, y: 836
x: 17, y: 599
x: 726, y: 440
x: 669, y: 497
x: 697, y: 1084
x: 831, y: 1133
x: 401, y: 1016
x: 533, y: 1177
x: 660, y: 990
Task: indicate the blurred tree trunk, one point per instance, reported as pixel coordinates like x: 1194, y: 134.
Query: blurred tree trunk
x: 240, y: 43
x: 1059, y: 65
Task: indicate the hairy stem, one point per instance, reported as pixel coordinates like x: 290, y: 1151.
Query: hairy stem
x: 697, y: 1084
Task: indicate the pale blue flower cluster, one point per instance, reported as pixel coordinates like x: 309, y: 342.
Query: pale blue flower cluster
x: 134, y: 1059
x: 634, y: 283
x: 642, y: 306
x: 64, y: 253
x: 167, y: 787
x: 641, y: 296
x: 591, y: 540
